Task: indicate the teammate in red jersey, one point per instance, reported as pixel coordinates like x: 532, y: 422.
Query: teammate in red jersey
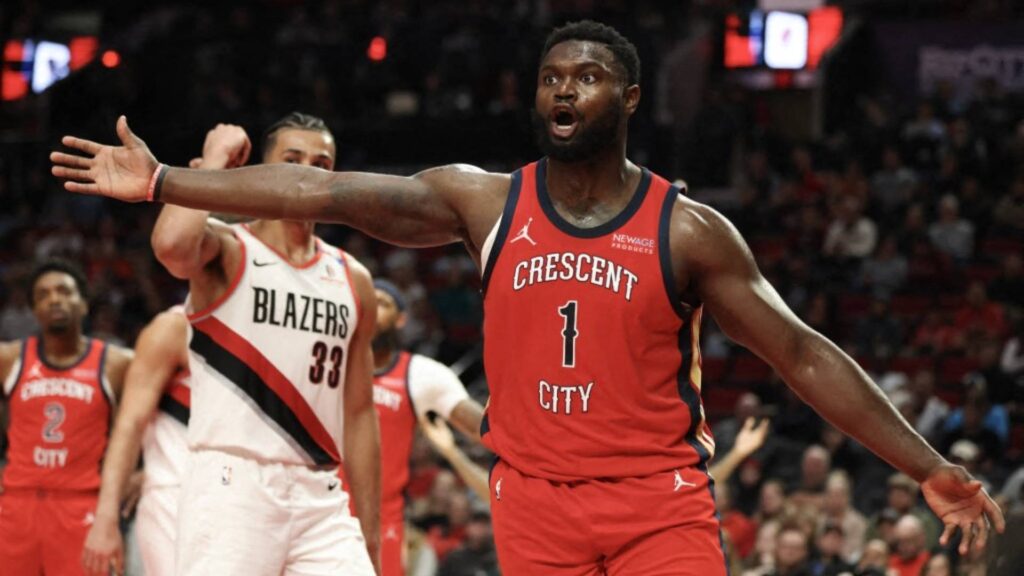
x: 59, y: 389
x: 596, y: 274
x: 406, y: 387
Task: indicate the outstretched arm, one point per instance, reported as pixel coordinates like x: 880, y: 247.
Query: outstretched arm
x: 362, y: 434
x: 431, y: 208
x: 160, y: 351
x: 748, y: 441
x: 724, y: 276
x: 444, y: 442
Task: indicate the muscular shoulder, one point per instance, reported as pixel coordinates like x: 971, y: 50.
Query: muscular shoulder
x: 167, y: 324
x: 466, y: 179
x: 701, y: 236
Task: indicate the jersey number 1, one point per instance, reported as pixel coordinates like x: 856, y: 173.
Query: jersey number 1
x: 569, y: 334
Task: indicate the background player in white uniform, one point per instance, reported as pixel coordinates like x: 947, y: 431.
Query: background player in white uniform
x: 281, y: 382
x: 153, y: 416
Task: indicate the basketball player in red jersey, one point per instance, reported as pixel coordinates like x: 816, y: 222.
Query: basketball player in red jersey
x: 596, y: 275
x: 59, y: 389
x: 152, y: 418
x: 406, y: 387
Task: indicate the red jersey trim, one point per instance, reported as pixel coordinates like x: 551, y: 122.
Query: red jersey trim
x: 210, y: 309
x: 317, y: 251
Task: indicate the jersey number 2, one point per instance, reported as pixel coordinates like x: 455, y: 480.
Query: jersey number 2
x: 569, y: 334
x: 54, y: 413
x: 322, y: 355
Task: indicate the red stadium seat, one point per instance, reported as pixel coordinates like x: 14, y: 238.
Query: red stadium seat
x: 953, y: 369
x: 911, y: 306
x: 911, y: 365
x: 713, y: 370
x: 747, y: 369
x: 996, y: 248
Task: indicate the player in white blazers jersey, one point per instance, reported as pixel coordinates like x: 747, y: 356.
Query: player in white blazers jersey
x: 152, y: 417
x: 281, y: 374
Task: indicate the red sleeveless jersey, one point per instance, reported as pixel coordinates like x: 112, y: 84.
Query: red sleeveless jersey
x: 59, y: 420
x: 397, y: 427
x: 592, y: 362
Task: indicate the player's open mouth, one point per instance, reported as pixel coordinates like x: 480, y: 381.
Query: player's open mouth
x: 563, y: 122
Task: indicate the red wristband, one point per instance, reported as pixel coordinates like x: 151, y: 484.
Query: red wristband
x: 155, y: 183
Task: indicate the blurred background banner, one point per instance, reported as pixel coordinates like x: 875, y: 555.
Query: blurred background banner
x: 920, y: 56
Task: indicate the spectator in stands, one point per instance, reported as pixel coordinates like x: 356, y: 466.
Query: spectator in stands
x: 966, y: 454
x: 951, y: 234
x: 935, y: 336
x: 923, y: 136
x: 748, y: 405
x: 770, y: 511
x: 837, y: 511
x: 975, y: 203
x: 450, y: 534
x: 831, y: 560
x: 938, y: 565
x: 879, y: 334
x: 792, y: 553
x: 851, y: 235
x: 814, y: 468
x: 1008, y: 214
x: 911, y: 553
x: 1011, y: 361
x: 903, y: 497
x: 809, y: 183
x: 875, y: 561
x: 979, y: 318
x: 16, y: 318
x: 893, y: 184
x: 476, y: 555
x: 998, y: 384
x: 1008, y: 287
x: 930, y: 410
x: 885, y: 272
x: 984, y: 424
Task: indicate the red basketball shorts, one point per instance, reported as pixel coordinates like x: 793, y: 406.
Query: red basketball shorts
x: 392, y: 540
x: 43, y: 532
x: 659, y: 525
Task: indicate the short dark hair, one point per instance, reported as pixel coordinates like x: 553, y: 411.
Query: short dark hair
x: 296, y: 120
x: 591, y: 31
x: 57, y: 265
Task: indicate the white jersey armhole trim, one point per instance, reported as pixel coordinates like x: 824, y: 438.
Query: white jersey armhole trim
x: 485, y: 252
x: 14, y: 375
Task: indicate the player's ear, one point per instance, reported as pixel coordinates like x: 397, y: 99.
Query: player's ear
x: 402, y: 319
x: 631, y: 98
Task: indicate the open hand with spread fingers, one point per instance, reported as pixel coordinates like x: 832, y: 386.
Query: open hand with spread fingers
x: 121, y: 172
x: 960, y: 502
